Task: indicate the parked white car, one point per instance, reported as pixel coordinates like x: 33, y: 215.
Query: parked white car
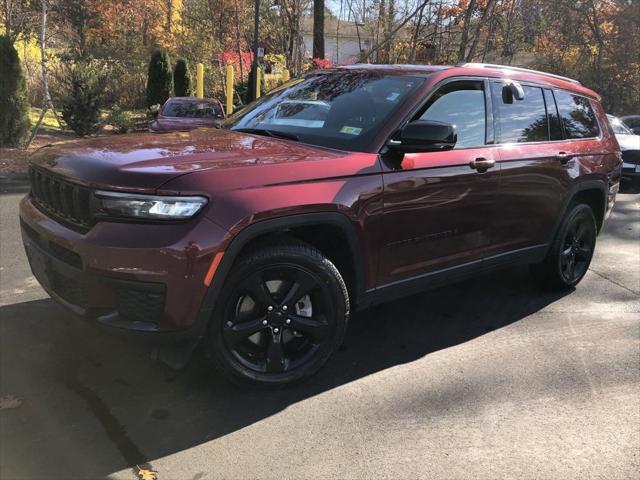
x: 629, y: 144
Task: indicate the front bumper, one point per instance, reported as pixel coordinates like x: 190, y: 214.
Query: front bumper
x: 137, y: 277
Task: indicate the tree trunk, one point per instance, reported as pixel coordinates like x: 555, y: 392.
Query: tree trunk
x: 318, y: 29
x: 476, y: 37
x: 48, y: 103
x: 464, y: 35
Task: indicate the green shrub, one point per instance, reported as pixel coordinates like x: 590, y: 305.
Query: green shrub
x: 182, y: 84
x: 121, y: 120
x: 14, y: 104
x: 159, y: 78
x: 82, y: 95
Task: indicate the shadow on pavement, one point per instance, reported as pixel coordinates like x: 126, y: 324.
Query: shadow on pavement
x: 81, y: 385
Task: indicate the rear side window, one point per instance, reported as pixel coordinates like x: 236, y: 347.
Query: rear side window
x: 520, y: 120
x: 577, y: 116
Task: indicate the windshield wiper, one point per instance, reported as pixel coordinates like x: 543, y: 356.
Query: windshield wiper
x: 268, y: 133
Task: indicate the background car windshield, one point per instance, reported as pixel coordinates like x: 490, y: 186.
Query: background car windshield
x: 192, y: 110
x: 618, y: 127
x: 342, y: 110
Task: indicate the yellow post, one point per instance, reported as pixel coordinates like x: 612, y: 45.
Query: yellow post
x: 200, y: 80
x: 258, y: 79
x: 229, y: 89
x: 285, y: 75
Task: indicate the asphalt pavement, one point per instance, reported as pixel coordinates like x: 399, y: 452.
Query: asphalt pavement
x: 491, y: 378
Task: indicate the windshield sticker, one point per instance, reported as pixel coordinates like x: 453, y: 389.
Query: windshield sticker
x: 351, y: 130
x: 393, y: 96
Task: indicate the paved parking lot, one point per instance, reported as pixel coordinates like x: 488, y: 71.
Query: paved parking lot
x: 492, y: 378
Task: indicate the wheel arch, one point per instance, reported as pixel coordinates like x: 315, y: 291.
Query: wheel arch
x: 295, y: 226
x: 592, y: 192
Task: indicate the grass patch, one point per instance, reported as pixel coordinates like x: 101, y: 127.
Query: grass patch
x: 48, y: 122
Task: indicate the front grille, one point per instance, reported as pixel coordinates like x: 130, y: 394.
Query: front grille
x: 144, y: 304
x: 66, y: 201
x: 631, y: 156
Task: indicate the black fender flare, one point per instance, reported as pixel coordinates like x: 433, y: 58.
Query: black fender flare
x: 279, y: 224
x: 580, y: 186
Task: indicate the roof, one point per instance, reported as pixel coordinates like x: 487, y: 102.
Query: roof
x: 485, y: 70
x: 396, y: 67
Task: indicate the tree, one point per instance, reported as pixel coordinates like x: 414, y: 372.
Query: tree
x: 159, y: 78
x: 83, y: 86
x: 19, y: 17
x: 182, y: 84
x: 14, y: 105
x: 318, y: 28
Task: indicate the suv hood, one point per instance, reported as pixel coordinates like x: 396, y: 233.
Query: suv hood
x: 144, y: 162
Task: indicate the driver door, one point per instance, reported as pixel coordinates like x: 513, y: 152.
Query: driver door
x: 437, y: 206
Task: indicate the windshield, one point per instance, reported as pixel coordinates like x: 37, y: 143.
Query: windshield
x: 176, y: 108
x: 340, y: 109
x: 618, y: 127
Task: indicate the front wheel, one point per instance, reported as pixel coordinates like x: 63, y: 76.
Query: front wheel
x: 281, y: 314
x: 570, y: 254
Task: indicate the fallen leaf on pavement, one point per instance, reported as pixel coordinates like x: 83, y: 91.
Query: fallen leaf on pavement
x: 144, y: 474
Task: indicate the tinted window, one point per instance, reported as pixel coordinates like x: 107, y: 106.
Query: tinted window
x: 520, y: 120
x: 461, y: 104
x: 578, y: 118
x: 555, y: 130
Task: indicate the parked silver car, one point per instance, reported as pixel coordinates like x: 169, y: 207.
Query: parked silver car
x: 629, y: 145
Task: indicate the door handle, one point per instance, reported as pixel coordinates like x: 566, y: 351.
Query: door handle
x: 563, y: 157
x: 482, y: 164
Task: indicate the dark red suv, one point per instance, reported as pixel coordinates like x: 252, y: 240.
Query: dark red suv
x: 340, y: 190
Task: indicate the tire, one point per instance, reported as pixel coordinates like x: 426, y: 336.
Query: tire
x: 570, y: 254
x: 263, y: 332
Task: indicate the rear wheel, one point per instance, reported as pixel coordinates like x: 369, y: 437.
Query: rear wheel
x: 281, y: 314
x: 570, y: 254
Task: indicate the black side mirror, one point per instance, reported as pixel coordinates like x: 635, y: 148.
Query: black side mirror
x: 425, y: 136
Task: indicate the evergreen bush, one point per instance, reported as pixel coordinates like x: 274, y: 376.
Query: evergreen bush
x: 14, y: 103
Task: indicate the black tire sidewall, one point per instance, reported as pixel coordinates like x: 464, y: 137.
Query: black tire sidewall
x: 304, y: 257
x: 554, y: 262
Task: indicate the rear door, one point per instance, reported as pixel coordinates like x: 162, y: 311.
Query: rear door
x: 437, y: 206
x: 543, y: 140
x: 534, y: 174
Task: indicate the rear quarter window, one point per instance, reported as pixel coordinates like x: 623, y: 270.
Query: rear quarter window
x: 577, y: 116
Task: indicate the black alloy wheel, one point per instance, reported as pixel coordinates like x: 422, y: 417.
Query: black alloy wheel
x: 570, y: 254
x: 577, y: 249
x: 282, y: 313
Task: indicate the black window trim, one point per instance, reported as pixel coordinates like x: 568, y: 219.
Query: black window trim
x: 489, y: 105
x: 553, y: 90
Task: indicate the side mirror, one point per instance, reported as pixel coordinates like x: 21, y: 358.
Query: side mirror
x: 425, y: 136
x: 512, y: 90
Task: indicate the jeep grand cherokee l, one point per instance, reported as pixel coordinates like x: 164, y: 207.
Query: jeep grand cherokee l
x: 342, y: 189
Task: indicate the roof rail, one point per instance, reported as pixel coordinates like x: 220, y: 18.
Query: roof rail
x: 517, y: 69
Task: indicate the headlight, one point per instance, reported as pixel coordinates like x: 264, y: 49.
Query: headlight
x: 150, y: 207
